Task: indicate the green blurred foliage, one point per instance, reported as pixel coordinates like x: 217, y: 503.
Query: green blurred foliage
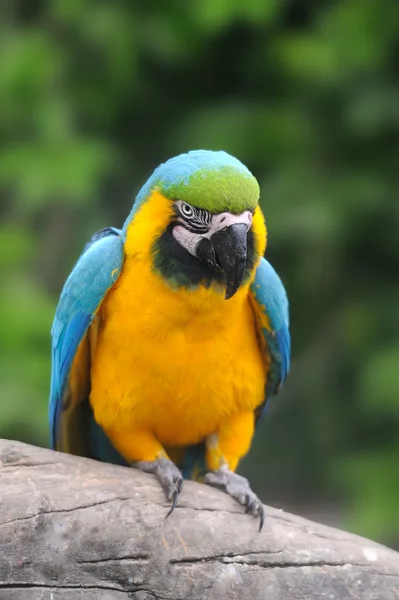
x: 93, y: 95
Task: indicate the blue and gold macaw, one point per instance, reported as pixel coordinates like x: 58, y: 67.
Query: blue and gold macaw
x: 171, y: 334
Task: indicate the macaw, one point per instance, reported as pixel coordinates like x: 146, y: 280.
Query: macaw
x: 172, y: 333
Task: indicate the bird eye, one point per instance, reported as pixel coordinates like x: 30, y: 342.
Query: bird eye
x: 186, y: 209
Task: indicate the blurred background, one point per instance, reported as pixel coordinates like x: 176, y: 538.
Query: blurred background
x: 94, y: 94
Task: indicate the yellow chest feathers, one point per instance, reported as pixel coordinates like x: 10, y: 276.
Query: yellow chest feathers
x: 174, y: 365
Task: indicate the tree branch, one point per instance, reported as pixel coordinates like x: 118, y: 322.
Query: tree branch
x: 73, y: 528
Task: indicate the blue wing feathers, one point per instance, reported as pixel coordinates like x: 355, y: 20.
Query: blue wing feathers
x: 95, y: 272
x: 271, y: 301
x: 284, y: 344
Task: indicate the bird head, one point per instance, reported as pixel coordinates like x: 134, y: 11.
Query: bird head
x: 208, y: 228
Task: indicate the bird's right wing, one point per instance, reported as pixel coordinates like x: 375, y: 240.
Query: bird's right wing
x: 72, y: 342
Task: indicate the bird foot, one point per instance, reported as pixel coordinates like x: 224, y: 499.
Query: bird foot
x: 238, y: 488
x: 169, y: 476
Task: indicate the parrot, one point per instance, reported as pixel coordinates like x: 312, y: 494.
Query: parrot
x: 171, y: 334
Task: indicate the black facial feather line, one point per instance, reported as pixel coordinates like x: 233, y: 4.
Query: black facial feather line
x: 198, y: 222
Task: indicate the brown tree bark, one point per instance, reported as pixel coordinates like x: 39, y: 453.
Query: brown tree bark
x: 74, y: 529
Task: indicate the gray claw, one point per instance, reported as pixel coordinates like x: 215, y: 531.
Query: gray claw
x: 169, y: 476
x: 238, y: 488
x: 174, y: 493
x: 255, y: 507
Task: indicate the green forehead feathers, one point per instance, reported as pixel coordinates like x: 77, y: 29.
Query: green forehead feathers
x: 223, y: 189
x: 214, y: 181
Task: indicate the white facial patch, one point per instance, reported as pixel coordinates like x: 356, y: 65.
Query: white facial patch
x: 186, y: 238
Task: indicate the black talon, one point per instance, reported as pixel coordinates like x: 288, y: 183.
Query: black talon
x: 175, y: 498
x: 262, y: 518
x: 178, y: 485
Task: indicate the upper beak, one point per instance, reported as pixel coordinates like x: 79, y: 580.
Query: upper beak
x: 226, y: 250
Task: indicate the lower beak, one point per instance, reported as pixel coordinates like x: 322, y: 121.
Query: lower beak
x: 230, y: 248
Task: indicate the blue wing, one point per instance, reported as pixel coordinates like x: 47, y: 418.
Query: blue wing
x: 94, y: 274
x: 271, y: 309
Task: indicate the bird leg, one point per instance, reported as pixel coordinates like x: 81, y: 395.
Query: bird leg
x: 169, y: 476
x: 238, y: 488
x: 141, y: 449
x: 224, y: 449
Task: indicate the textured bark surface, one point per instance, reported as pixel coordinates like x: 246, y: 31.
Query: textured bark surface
x: 74, y: 529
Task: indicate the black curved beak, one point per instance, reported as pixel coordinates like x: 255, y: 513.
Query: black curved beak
x: 226, y: 251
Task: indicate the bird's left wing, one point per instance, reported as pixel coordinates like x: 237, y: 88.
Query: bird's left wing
x: 270, y: 305
x: 93, y: 275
